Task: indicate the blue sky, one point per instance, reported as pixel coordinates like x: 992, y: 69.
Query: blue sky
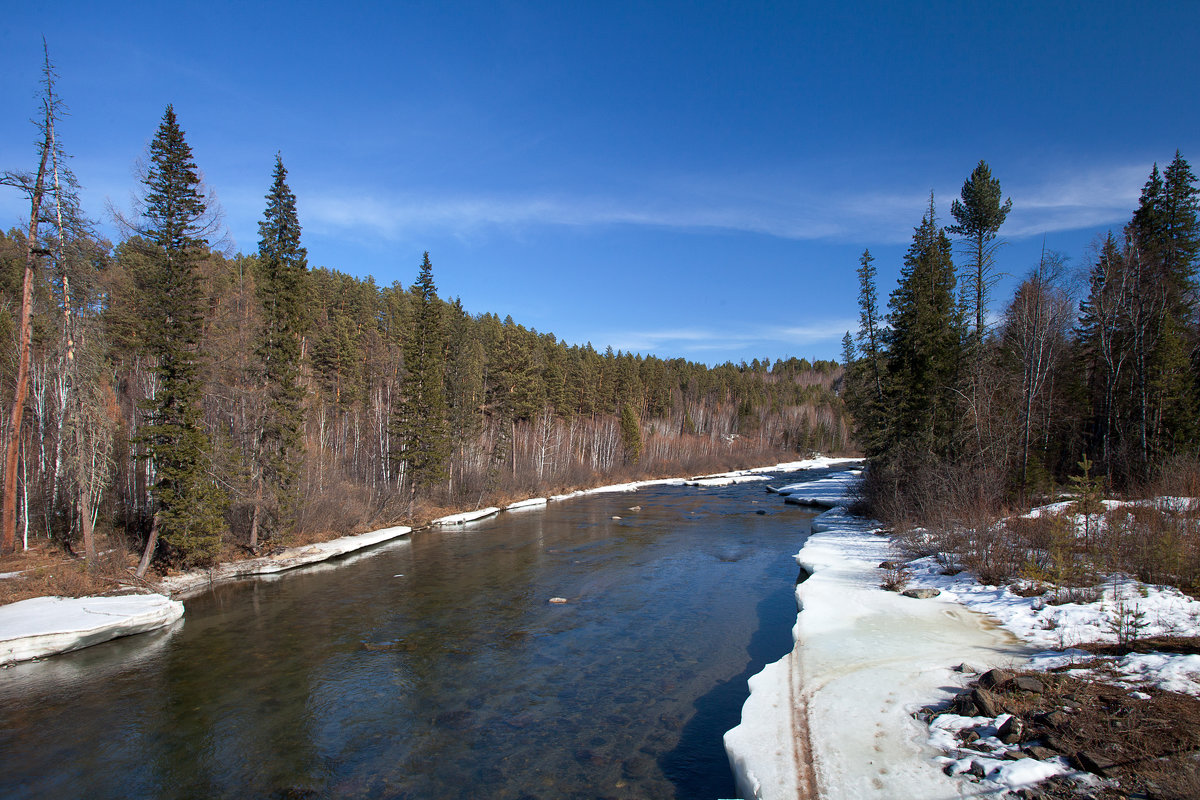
x: 688, y: 179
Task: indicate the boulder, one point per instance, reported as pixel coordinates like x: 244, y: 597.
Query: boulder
x: 921, y: 594
x: 1028, y: 683
x: 994, y: 677
x: 1095, y: 762
x: 989, y: 705
x: 1011, y: 731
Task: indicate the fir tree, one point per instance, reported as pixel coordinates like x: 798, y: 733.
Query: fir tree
x: 979, y: 215
x: 282, y: 268
x: 925, y: 346
x: 190, y: 505
x: 422, y: 439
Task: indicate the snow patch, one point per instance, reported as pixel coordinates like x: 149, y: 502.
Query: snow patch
x: 44, y: 626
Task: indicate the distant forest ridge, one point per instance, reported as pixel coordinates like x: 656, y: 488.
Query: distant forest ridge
x: 189, y: 402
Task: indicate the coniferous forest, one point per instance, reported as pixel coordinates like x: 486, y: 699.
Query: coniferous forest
x: 1090, y: 376
x: 190, y: 403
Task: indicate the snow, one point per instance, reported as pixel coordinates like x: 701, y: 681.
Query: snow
x: 726, y: 480
x: 466, y: 516
x: 864, y: 660
x: 830, y: 491
x: 45, y: 626
x: 198, y: 580
x: 525, y: 505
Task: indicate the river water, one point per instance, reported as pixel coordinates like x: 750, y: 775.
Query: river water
x: 436, y: 667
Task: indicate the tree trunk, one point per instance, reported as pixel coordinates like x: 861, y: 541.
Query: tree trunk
x: 148, y: 553
x: 25, y: 328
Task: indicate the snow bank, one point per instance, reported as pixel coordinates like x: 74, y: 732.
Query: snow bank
x: 290, y: 558
x: 44, y: 626
x: 522, y: 505
x: 466, y: 516
x: 864, y: 660
x: 830, y: 491
x: 726, y: 480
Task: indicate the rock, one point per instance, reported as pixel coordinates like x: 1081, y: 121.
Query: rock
x: 1054, y: 743
x: 890, y: 565
x: 1039, y: 752
x: 989, y: 705
x: 970, y: 735
x: 994, y: 677
x: 761, y: 513
x: 921, y: 594
x: 1095, y: 762
x: 558, y: 600
x: 977, y: 770
x: 1057, y: 719
x: 1011, y: 731
x: 1016, y: 755
x: 1028, y: 683
x: 964, y: 704
x: 966, y: 668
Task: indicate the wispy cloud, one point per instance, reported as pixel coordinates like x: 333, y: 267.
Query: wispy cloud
x: 718, y: 342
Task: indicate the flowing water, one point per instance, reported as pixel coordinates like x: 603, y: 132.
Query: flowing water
x: 436, y: 667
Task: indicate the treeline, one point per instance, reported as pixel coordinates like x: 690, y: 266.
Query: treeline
x: 193, y: 401
x: 1093, y: 379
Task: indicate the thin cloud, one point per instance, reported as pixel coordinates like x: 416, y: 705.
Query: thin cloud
x: 721, y: 340
x: 1094, y: 199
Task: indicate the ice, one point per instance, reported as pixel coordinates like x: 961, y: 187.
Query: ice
x: 830, y: 491
x: 466, y: 516
x: 44, y: 626
x: 864, y: 660
x: 524, y: 505
x: 189, y: 583
x: 726, y: 480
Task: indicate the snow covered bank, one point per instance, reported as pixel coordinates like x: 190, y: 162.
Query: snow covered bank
x: 466, y: 516
x: 834, y: 717
x: 45, y: 626
x: 828, y: 492
x: 188, y: 583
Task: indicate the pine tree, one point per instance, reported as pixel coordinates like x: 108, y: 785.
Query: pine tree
x: 979, y: 215
x: 924, y: 346
x: 282, y: 269
x: 421, y: 437
x: 190, y: 505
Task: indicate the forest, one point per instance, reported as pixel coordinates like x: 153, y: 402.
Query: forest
x: 1088, y: 380
x: 184, y: 403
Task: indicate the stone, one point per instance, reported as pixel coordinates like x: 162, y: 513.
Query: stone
x: 921, y: 594
x: 967, y: 668
x: 970, y: 735
x: 1054, y: 743
x: 1011, y: 731
x: 1028, y: 683
x: 1057, y: 719
x: 989, y: 705
x: 1039, y: 752
x: 964, y: 704
x: 994, y: 677
x: 1095, y: 762
x: 977, y: 770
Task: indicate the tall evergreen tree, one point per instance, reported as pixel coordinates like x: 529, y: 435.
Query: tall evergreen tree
x: 421, y: 437
x: 190, y: 505
x: 282, y: 269
x: 979, y: 215
x: 924, y: 346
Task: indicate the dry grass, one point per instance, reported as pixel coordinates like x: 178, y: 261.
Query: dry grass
x: 48, y: 570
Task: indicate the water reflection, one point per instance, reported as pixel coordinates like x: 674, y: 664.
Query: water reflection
x: 435, y: 667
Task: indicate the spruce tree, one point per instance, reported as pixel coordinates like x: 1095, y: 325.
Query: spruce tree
x: 282, y: 269
x: 924, y: 346
x: 979, y: 215
x: 190, y: 505
x: 421, y: 437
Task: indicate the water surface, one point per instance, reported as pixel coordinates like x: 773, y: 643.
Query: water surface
x: 436, y: 667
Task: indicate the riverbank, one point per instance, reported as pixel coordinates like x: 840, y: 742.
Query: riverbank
x: 70, y: 631
x: 870, y: 702
x: 832, y: 719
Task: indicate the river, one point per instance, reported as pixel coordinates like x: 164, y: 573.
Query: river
x: 437, y: 667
